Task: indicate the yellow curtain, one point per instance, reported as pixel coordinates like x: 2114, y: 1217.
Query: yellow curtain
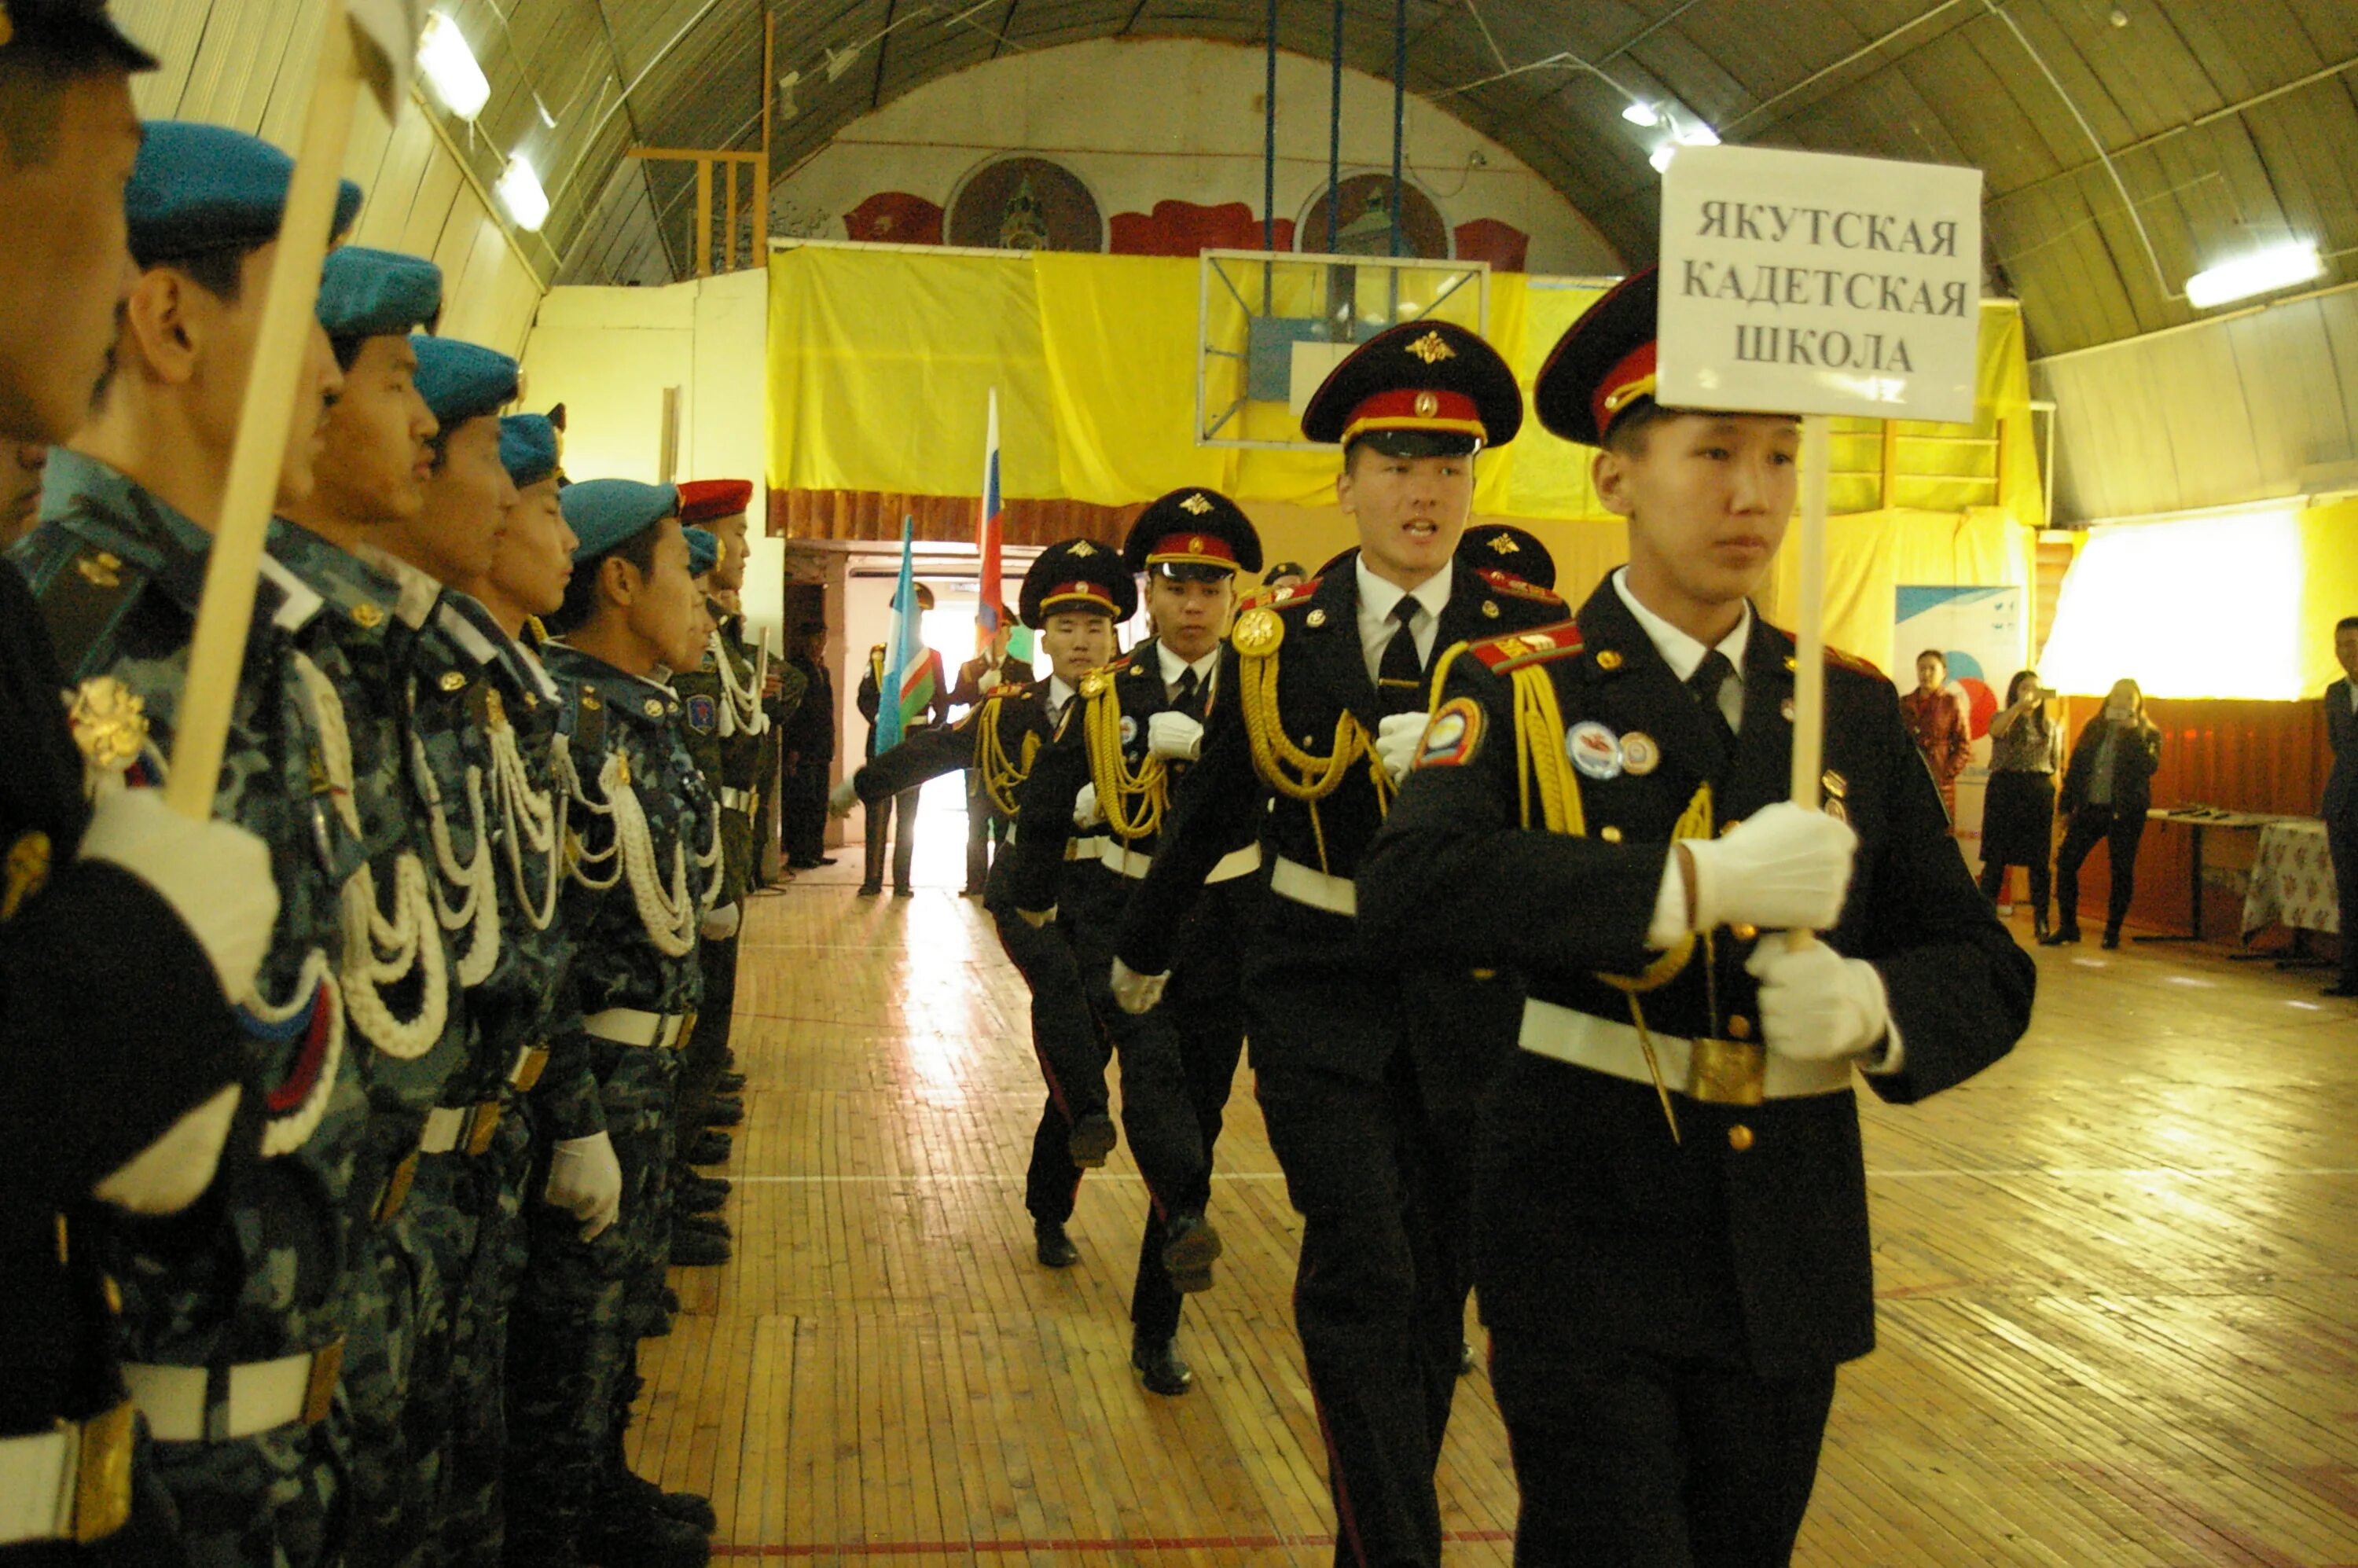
x: 881, y: 362
x: 1870, y: 554
x: 2328, y: 588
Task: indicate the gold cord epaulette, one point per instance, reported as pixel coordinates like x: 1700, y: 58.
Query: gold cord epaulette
x: 1543, y: 768
x: 1001, y: 775
x: 1290, y: 770
x: 1131, y: 798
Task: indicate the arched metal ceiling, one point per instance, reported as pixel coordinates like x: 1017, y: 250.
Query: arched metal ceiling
x: 2127, y: 143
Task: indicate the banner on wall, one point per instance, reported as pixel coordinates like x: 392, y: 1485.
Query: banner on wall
x: 1982, y: 633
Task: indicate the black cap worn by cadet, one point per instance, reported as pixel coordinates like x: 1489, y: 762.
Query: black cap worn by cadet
x: 1503, y: 547
x: 1602, y: 367
x: 1422, y: 389
x: 1193, y: 536
x: 68, y: 26
x: 1078, y: 573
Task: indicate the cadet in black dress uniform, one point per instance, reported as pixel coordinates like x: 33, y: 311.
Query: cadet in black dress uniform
x: 1074, y: 594
x: 1673, y: 1247
x: 1323, y: 690
x: 1143, y: 727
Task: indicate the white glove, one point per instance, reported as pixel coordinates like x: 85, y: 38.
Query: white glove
x: 1397, y: 736
x: 1782, y: 868
x: 215, y: 875
x: 1174, y: 737
x: 174, y: 1171
x: 585, y: 1180
x: 1037, y: 919
x: 842, y: 798
x: 719, y: 924
x: 1085, y: 814
x: 1815, y: 1004
x: 1135, y: 993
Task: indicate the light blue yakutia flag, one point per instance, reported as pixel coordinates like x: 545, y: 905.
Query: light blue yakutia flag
x: 908, y: 666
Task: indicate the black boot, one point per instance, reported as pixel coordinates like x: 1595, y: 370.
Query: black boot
x: 2111, y: 937
x: 722, y: 1110
x: 1054, y: 1248
x: 708, y: 1148
x: 698, y: 1250
x: 619, y: 1535
x: 1189, y: 1253
x: 2064, y: 936
x: 1159, y: 1367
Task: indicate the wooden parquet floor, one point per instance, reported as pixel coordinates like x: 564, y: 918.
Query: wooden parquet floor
x: 2119, y: 1278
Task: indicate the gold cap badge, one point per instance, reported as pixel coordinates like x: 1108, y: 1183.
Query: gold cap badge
x: 109, y: 722
x: 1432, y: 348
x: 1427, y: 405
x: 1196, y: 504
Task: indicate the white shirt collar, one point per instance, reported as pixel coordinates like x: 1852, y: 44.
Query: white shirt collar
x: 1682, y: 652
x: 1059, y: 694
x: 1173, y: 667
x: 1377, y: 596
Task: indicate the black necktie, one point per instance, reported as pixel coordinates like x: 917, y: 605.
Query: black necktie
x: 1704, y: 685
x: 1399, y: 677
x: 1183, y: 699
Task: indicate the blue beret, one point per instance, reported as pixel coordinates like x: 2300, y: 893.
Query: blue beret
x: 703, y: 550
x: 462, y: 380
x: 377, y: 294
x: 528, y: 448
x: 199, y: 188
x: 604, y: 513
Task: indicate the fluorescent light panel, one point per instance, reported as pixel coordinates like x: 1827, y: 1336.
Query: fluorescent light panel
x: 2262, y: 272
x: 448, y: 67
x: 519, y: 191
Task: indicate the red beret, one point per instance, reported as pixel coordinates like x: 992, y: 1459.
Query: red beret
x: 702, y: 499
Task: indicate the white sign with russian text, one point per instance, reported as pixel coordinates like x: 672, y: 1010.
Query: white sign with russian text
x: 1807, y: 283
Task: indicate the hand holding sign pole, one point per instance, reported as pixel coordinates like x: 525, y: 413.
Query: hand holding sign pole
x: 372, y: 42
x: 1808, y: 284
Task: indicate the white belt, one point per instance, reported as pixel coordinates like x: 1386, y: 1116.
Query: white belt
x: 262, y: 1395
x: 1124, y: 861
x: 1336, y: 896
x: 71, y: 1482
x: 630, y: 1026
x: 1585, y: 1040
x: 467, y: 1127
x: 1235, y: 863
x: 1091, y: 848
x: 736, y: 799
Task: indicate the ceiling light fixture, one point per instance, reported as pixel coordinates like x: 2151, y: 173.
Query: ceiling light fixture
x: 519, y: 191
x: 448, y: 67
x: 1640, y: 112
x: 2262, y: 272
x: 786, y: 94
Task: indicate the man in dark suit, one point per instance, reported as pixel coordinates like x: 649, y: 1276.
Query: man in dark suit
x: 808, y: 741
x: 1323, y: 687
x: 2341, y: 806
x: 1670, y: 1209
x: 898, y: 813
x: 977, y: 679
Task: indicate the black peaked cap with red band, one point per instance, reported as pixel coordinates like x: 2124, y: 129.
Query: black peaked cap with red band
x: 1078, y: 573
x: 1503, y: 547
x: 1603, y: 366
x: 1193, y: 533
x: 1433, y: 380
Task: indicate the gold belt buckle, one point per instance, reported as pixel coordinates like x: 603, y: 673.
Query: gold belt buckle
x: 686, y: 1028
x: 1727, y: 1072
x: 531, y: 1061
x: 102, y: 1475
x: 319, y: 1389
x: 397, y: 1188
x: 483, y: 1120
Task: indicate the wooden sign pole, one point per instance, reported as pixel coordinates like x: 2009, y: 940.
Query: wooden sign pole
x: 217, y: 652
x: 1809, y: 623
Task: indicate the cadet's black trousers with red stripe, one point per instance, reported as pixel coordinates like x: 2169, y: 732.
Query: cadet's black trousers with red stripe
x: 1375, y: 1302
x: 1071, y: 1055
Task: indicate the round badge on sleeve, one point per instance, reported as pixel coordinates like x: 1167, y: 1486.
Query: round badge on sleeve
x: 1640, y: 753
x: 1593, y: 749
x: 1129, y: 729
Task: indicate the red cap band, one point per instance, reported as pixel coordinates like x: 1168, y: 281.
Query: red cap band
x: 1626, y: 382
x: 1199, y: 549
x: 1410, y: 408
x: 1092, y: 594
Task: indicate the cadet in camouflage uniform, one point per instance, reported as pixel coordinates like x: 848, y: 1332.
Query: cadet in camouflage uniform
x: 648, y: 874
x: 483, y: 715
x: 232, y: 1317
x: 409, y: 1003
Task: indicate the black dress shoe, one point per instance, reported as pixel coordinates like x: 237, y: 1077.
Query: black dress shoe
x: 1091, y: 1139
x: 708, y: 1148
x: 2113, y: 938
x: 620, y: 1534
x: 870, y: 889
x: 701, y: 1225
x: 728, y: 1083
x: 1189, y: 1256
x: 697, y: 1194
x: 724, y: 1111
x: 904, y: 892
x: 633, y: 1490
x: 2063, y: 936
x: 1160, y: 1369
x: 1054, y: 1248
x: 697, y: 1249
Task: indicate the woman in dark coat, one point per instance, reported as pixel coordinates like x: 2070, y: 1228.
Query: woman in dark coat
x: 2107, y: 792
x: 2019, y: 812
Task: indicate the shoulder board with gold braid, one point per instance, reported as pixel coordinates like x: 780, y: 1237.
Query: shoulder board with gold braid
x: 1509, y: 583
x: 1854, y: 664
x: 1006, y: 689
x: 1501, y: 655
x: 1292, y: 595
